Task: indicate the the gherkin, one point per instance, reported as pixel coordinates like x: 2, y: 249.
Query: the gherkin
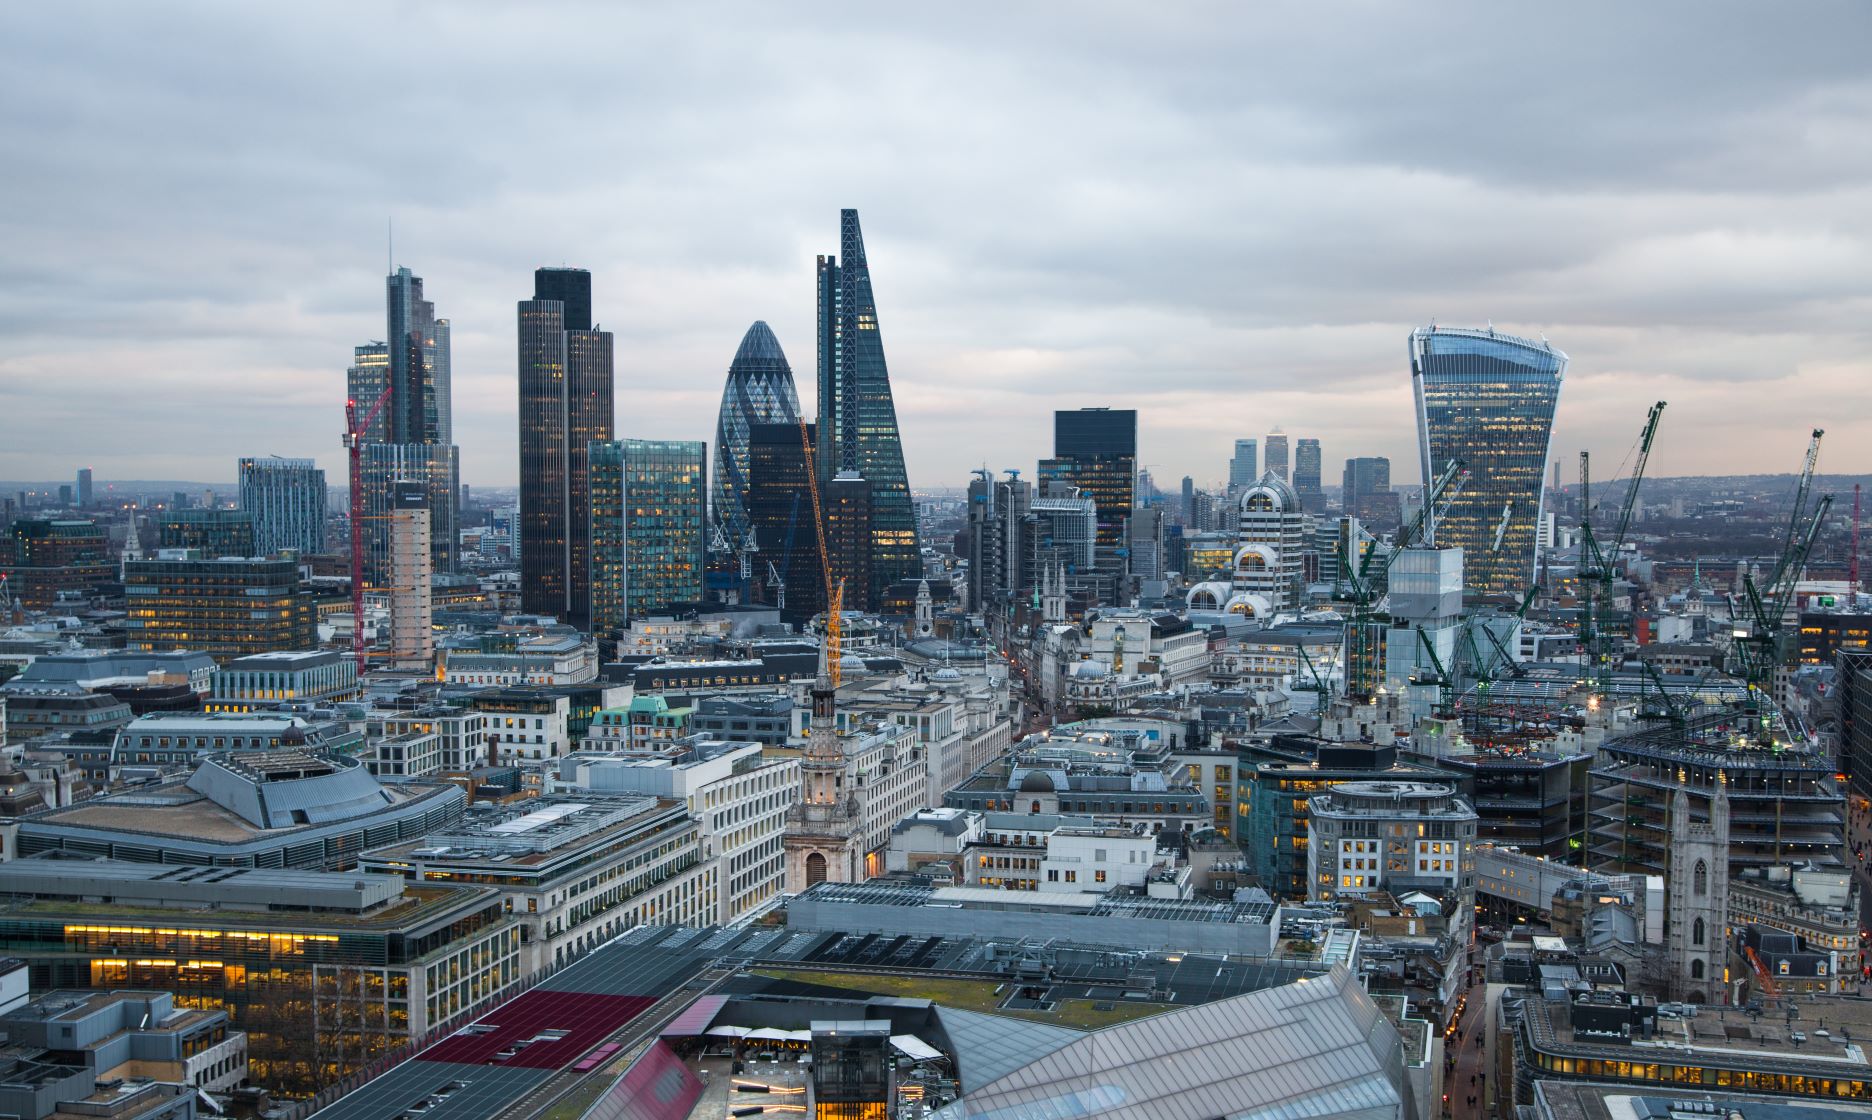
x: 759, y: 391
x: 857, y: 418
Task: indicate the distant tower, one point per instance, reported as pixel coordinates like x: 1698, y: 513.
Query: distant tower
x: 412, y: 604
x: 1053, y: 595
x: 925, y: 611
x: 1698, y: 897
x: 1276, y: 461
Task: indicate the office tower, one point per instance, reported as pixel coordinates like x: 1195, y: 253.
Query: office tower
x: 1060, y: 530
x: 286, y: 500
x: 1424, y: 601
x: 1277, y: 456
x: 1487, y: 399
x: 1186, y: 510
x: 412, y: 613
x: 1095, y: 450
x: 84, y: 488
x: 1144, y: 532
x: 1366, y: 494
x: 779, y: 505
x: 1306, y: 475
x: 65, y: 496
x: 44, y: 557
x: 212, y: 532
x: 1242, y: 470
x: 848, y: 533
x: 410, y: 437
x: 1146, y: 489
x: 565, y: 406
x: 1270, y: 543
x: 997, y: 512
x: 227, y: 607
x: 857, y: 418
x: 648, y: 510
x: 759, y: 391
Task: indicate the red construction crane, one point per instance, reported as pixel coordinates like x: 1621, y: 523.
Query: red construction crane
x: 354, y: 443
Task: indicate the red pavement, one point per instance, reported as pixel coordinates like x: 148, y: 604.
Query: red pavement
x: 589, y: 1018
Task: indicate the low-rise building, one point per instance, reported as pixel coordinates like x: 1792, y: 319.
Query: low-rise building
x: 1390, y: 835
x: 326, y: 974
x: 133, y: 1036
x: 754, y: 717
x: 461, y: 733
x: 1059, y: 854
x: 269, y: 680
x: 558, y: 656
x: 575, y: 871
x: 1111, y: 776
x: 164, y: 741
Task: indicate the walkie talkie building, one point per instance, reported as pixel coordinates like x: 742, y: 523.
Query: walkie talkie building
x: 1488, y: 399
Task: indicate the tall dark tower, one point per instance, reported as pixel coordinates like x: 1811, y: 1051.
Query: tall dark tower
x: 780, y: 511
x: 565, y: 404
x: 857, y: 417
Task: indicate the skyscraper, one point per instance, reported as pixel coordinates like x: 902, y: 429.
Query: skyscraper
x: 412, y: 601
x: 286, y: 499
x: 1306, y: 476
x: 410, y: 439
x: 779, y: 506
x: 1277, y: 456
x: 759, y: 391
x: 1242, y: 468
x: 84, y: 487
x: 848, y: 531
x: 647, y: 512
x: 1366, y: 493
x: 1095, y: 449
x: 565, y: 406
x: 857, y: 417
x: 1487, y: 399
x: 997, y: 512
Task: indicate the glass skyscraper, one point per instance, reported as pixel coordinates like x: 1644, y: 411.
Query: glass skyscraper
x: 779, y: 506
x: 1487, y: 399
x: 1277, y: 456
x: 1307, y: 483
x: 1243, y: 470
x: 857, y: 417
x: 759, y: 391
x: 1095, y: 449
x: 565, y: 387
x: 647, y: 516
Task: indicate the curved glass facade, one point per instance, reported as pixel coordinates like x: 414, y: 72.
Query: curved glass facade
x: 1488, y: 399
x: 759, y: 391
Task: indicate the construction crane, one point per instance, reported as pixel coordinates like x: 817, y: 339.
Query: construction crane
x: 834, y: 595
x: 1761, y: 631
x: 1359, y: 579
x: 1596, y: 563
x: 354, y: 443
x: 1852, y: 562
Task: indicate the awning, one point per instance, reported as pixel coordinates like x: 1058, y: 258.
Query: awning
x: 799, y: 1036
x: 915, y: 1047
x: 726, y: 1030
x: 766, y: 1034
x: 695, y: 1018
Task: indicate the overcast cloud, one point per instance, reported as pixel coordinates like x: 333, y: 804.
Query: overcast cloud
x: 1228, y: 217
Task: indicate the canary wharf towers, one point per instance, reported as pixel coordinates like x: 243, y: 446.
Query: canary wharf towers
x: 857, y: 417
x: 1488, y: 399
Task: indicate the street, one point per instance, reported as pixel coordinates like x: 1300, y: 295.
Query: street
x: 1463, y: 1075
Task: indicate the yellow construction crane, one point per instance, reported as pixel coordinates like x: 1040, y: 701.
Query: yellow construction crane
x: 834, y: 594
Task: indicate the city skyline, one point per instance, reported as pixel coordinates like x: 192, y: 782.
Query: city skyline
x: 1139, y: 261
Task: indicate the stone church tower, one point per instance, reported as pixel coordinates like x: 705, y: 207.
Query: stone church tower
x: 1697, y: 900
x: 822, y: 838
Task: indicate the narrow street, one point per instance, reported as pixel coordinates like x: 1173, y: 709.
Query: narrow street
x: 1463, y: 1076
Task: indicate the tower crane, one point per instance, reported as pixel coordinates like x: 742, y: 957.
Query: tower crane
x: 1596, y: 563
x: 354, y: 443
x: 1359, y: 578
x: 1761, y: 630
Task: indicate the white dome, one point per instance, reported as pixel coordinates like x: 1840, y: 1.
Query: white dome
x: 1207, y: 596
x: 1270, y: 490
x: 1249, y: 605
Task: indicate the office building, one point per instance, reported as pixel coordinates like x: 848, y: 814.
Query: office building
x: 647, y: 514
x: 418, y: 354
x: 781, y: 514
x: 759, y: 391
x: 848, y: 536
x: 997, y: 514
x: 84, y: 488
x: 1095, y: 451
x: 1365, y: 493
x: 134, y: 1037
x: 565, y: 406
x: 857, y: 417
x: 1855, y: 718
x: 1306, y: 476
x: 285, y: 498
x: 226, y: 607
x: 1144, y: 543
x: 211, y: 532
x: 1059, y: 532
x: 46, y: 557
x: 1488, y: 400
x: 365, y: 383
x: 1277, y: 456
x: 412, y: 608
x: 325, y: 973
x: 269, y: 680
x: 1391, y: 836
x: 1268, y: 572
x: 1242, y: 469
x: 437, y: 468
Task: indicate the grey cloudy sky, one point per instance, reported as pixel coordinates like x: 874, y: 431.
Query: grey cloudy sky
x: 1225, y: 216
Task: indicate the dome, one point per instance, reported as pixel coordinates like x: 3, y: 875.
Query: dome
x: 1089, y: 670
x: 1037, y: 781
x: 1249, y: 605
x: 1256, y: 558
x: 945, y: 674
x: 1270, y: 494
x: 1207, y: 596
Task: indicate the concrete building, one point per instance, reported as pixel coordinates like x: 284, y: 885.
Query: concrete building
x: 462, y: 735
x: 326, y: 974
x: 278, y: 808
x: 286, y: 500
x: 166, y: 740
x: 1107, y: 775
x: 761, y: 718
x: 554, y: 656
x: 575, y: 871
x: 282, y: 677
x: 412, y: 610
x: 133, y: 1036
x: 1391, y: 836
x: 228, y: 607
x: 1268, y: 568
x: 1060, y: 854
x: 739, y: 797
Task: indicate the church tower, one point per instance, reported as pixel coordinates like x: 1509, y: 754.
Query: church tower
x: 925, y: 611
x: 1053, y: 594
x: 1698, y: 897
